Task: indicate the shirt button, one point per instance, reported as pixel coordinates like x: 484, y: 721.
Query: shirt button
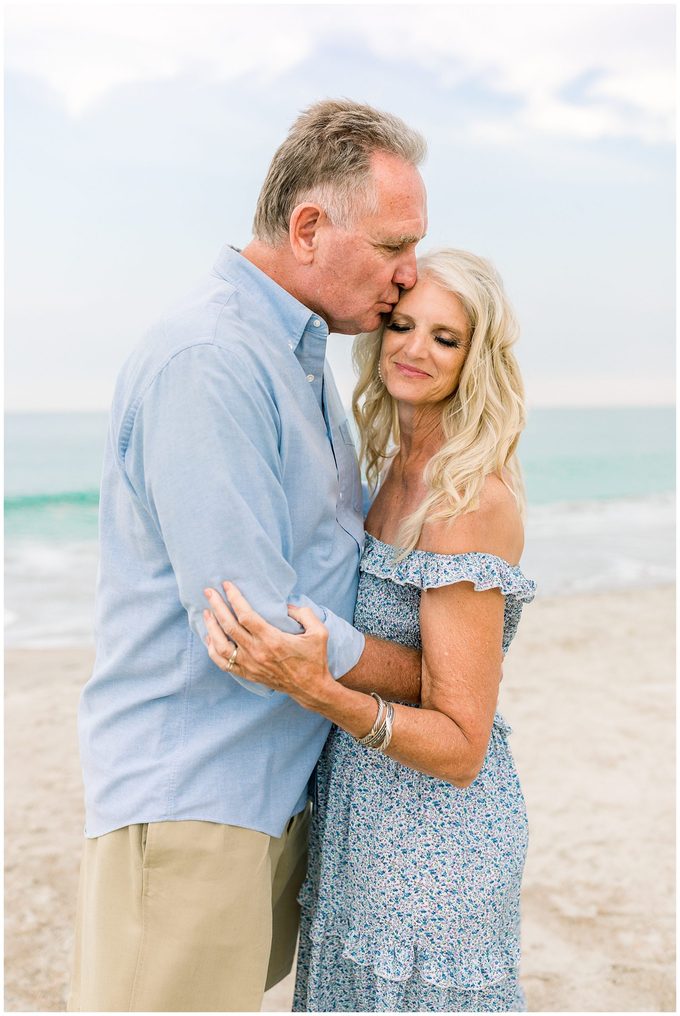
x: 342, y: 496
x: 316, y: 323
x: 310, y: 377
x: 290, y: 345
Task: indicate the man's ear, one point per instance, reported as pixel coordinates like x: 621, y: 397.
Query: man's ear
x: 304, y: 224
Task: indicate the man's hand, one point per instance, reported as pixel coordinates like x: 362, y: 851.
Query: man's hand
x: 241, y: 642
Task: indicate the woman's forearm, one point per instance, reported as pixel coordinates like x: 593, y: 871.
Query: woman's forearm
x: 433, y: 743
x: 390, y: 669
x: 423, y: 739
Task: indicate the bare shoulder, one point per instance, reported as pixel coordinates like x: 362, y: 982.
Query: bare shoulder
x: 495, y: 527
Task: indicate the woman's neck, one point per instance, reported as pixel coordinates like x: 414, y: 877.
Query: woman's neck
x: 420, y: 436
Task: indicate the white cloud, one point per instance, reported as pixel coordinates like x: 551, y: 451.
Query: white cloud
x: 85, y: 52
x: 538, y: 55
x: 534, y: 54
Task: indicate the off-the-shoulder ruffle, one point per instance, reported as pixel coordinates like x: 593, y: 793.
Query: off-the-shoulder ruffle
x: 426, y: 570
x: 464, y: 965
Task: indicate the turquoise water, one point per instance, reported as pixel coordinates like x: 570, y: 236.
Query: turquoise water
x: 598, y: 454
x: 52, y: 472
x: 53, y: 464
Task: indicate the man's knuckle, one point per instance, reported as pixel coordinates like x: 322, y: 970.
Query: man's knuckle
x: 259, y: 655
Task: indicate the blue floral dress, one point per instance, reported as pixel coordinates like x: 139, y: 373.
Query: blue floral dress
x: 411, y: 901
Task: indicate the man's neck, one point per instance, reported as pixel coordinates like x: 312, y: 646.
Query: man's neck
x: 276, y: 262
x: 280, y: 265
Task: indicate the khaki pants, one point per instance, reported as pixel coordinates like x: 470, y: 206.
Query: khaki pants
x: 186, y: 917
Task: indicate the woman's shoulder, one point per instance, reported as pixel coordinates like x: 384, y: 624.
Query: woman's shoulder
x: 494, y: 527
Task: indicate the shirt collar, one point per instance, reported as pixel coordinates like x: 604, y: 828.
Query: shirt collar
x: 294, y: 318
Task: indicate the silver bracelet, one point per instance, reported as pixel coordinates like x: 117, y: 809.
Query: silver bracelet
x: 378, y: 737
x: 380, y: 734
x: 377, y: 727
x: 389, y: 721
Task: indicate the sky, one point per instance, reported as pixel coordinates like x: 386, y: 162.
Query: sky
x: 137, y: 138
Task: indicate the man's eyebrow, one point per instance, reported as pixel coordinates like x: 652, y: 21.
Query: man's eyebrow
x: 400, y: 241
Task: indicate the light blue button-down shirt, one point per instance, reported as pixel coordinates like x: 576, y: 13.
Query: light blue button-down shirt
x: 228, y: 457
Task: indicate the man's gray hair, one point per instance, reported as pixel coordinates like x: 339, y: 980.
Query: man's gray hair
x: 326, y: 159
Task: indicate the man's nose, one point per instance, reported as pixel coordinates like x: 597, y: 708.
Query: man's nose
x: 406, y: 274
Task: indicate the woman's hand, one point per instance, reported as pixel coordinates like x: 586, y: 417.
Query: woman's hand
x: 294, y: 664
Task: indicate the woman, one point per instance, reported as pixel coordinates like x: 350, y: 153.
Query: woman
x: 411, y: 901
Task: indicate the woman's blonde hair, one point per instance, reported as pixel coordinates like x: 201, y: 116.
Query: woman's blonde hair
x: 481, y: 420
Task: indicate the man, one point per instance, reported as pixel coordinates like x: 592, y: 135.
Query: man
x: 229, y: 456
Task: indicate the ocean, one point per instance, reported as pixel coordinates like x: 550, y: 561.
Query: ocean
x: 600, y: 485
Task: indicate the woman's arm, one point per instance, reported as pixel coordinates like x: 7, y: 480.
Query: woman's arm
x: 462, y: 634
x: 448, y: 737
x: 390, y: 669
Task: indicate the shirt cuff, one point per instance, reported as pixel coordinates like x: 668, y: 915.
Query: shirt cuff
x: 252, y: 686
x: 345, y: 644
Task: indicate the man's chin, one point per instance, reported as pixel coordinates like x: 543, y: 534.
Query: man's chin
x: 367, y: 324
x: 370, y: 324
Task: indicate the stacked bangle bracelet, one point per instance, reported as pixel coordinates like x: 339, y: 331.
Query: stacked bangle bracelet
x: 380, y: 734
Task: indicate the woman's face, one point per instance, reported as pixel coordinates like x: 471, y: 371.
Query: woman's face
x: 425, y: 342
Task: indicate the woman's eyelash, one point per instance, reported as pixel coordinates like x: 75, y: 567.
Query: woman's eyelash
x: 449, y: 343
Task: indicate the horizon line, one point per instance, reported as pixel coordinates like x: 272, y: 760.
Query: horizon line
x: 530, y: 406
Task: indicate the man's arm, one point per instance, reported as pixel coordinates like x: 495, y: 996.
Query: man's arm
x: 203, y: 458
x: 388, y: 668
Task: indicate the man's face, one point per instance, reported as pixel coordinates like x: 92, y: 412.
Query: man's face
x: 361, y: 272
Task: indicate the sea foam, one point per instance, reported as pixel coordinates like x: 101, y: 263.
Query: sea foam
x: 598, y: 545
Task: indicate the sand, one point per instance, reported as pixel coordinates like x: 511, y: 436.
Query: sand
x: 588, y: 689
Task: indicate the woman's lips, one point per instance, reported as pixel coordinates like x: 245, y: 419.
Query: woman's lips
x: 410, y: 371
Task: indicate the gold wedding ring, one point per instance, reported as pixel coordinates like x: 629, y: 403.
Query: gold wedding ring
x: 232, y: 659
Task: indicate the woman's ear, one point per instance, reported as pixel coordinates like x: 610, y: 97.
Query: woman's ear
x: 303, y: 231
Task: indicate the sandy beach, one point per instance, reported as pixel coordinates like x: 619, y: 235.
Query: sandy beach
x: 588, y: 689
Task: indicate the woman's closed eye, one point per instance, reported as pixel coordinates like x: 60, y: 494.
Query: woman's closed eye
x: 443, y: 340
